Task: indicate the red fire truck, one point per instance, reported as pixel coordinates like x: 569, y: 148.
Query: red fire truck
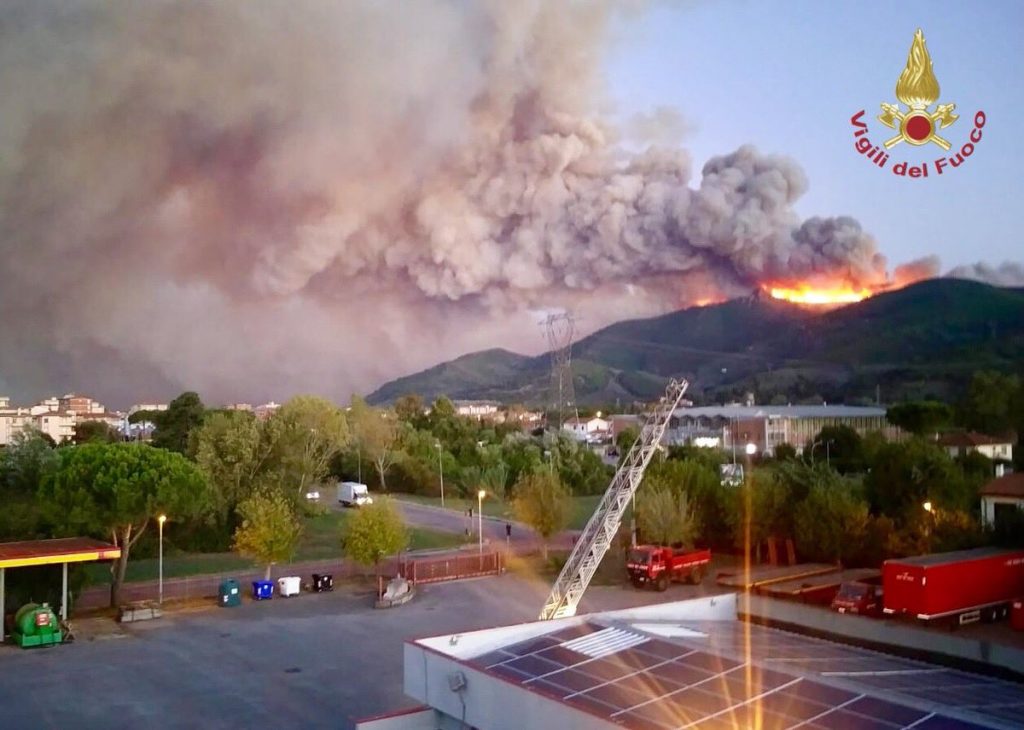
x: 653, y: 565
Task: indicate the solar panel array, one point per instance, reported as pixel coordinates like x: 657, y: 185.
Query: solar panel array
x: 638, y: 681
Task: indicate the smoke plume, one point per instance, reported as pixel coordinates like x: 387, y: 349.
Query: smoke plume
x: 1006, y: 274
x: 258, y: 199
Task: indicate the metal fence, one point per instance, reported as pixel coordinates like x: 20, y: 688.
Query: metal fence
x: 427, y: 568
x: 452, y: 566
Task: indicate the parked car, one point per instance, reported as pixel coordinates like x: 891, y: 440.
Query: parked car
x: 860, y: 597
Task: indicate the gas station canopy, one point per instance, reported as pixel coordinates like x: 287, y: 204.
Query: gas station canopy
x: 55, y: 552
x: 52, y: 552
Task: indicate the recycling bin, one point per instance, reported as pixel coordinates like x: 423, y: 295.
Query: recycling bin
x: 230, y: 593
x: 323, y: 582
x: 289, y: 586
x: 263, y: 590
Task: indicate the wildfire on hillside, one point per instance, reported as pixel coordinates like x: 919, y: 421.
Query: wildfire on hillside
x: 819, y: 296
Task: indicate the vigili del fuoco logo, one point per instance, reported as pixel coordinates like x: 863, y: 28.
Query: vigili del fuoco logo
x: 915, y: 122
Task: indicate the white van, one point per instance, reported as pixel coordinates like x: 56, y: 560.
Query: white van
x: 353, y: 494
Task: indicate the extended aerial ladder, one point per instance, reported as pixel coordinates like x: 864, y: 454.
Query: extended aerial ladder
x: 604, y: 524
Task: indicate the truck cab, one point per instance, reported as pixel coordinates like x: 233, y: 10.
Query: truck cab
x: 656, y: 566
x: 858, y: 597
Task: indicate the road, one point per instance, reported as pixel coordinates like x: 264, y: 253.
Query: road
x: 445, y: 520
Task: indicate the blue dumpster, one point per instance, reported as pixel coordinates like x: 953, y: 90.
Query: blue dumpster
x: 323, y: 582
x: 230, y: 593
x: 262, y: 590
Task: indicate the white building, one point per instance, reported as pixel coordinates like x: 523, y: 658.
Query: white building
x: 479, y: 409
x: 12, y: 420
x: 686, y: 664
x: 961, y: 444
x: 591, y: 430
x: 147, y: 407
x: 58, y: 425
x: 1005, y: 493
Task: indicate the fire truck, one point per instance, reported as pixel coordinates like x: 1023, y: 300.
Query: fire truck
x: 653, y: 565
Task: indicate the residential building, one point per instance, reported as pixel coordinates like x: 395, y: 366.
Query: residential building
x: 591, y: 430
x: 266, y: 410
x: 147, y: 407
x: 997, y: 448
x: 58, y: 425
x: 246, y: 407
x: 479, y: 409
x: 12, y: 420
x: 80, y: 404
x: 735, y: 426
x: 1005, y: 493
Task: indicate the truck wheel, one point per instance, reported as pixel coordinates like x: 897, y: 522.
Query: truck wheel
x: 636, y: 583
x: 662, y: 583
x: 696, y: 576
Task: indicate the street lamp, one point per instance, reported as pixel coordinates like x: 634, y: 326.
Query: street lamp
x: 828, y: 454
x: 751, y: 449
x: 160, y: 525
x: 440, y: 469
x: 927, y: 506
x: 480, y: 517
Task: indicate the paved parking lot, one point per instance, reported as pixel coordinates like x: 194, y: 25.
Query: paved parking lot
x: 311, y: 661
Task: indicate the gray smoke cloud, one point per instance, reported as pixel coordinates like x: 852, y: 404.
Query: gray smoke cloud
x: 1008, y: 273
x: 258, y: 199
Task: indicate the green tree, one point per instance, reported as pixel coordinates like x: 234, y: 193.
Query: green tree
x: 543, y: 503
x: 376, y: 436
x: 270, y: 530
x: 841, y: 446
x: 410, y: 408
x: 785, y: 452
x: 307, y: 432
x: 921, y: 418
x: 24, y: 463
x: 115, y: 490
x: 579, y: 468
x: 903, y: 476
x: 375, y: 532
x: 665, y: 516
x: 174, y: 426
x: 88, y: 431
x: 991, y: 403
x: 230, y: 450
x: 830, y: 524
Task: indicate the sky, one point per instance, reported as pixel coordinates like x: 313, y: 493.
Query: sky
x: 787, y: 77
x: 257, y: 200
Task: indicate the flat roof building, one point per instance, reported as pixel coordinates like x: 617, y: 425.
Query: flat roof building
x: 687, y: 664
x: 768, y: 426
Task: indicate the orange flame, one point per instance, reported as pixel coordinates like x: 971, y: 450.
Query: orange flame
x: 806, y: 294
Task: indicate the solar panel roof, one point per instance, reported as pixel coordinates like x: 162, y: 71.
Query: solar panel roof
x: 732, y: 675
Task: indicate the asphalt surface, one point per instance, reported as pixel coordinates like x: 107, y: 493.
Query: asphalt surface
x: 316, y: 661
x: 447, y: 520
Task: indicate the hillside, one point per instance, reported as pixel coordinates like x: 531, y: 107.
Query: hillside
x: 925, y: 339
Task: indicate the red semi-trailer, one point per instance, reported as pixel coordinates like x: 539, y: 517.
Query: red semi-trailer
x: 961, y: 587
x: 653, y: 565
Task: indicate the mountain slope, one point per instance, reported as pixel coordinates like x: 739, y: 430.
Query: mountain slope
x: 931, y: 333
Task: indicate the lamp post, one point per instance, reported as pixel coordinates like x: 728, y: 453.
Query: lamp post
x: 160, y: 525
x: 440, y: 469
x: 828, y: 454
x: 480, y: 518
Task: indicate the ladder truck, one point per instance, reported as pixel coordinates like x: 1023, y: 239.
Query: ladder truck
x: 597, y: 536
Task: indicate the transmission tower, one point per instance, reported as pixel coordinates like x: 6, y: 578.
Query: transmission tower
x: 560, y: 329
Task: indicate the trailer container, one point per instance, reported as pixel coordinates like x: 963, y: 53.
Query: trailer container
x: 962, y: 587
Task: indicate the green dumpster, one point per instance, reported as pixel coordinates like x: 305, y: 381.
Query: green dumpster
x: 36, y: 625
x: 230, y: 593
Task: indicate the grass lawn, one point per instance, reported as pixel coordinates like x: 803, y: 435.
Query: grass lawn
x: 321, y: 540
x: 582, y: 507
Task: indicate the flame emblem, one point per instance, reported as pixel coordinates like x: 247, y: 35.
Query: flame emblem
x: 918, y: 89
